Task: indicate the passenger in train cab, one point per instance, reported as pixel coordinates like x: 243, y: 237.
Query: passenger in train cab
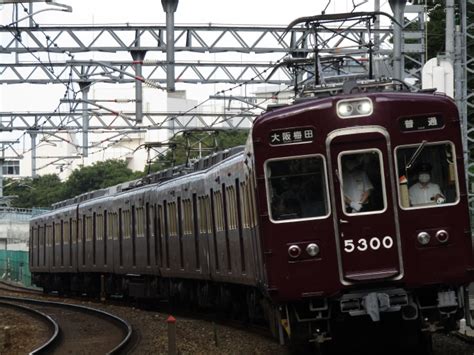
x: 424, y: 191
x: 289, y: 202
x: 286, y: 208
x: 356, y: 184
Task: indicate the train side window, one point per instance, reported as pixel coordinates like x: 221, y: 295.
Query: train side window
x: 172, y: 217
x: 105, y: 226
x: 66, y: 232
x: 99, y: 226
x: 126, y: 223
x: 89, y: 228
x: 427, y: 175
x: 62, y: 243
x: 231, y: 205
x: 49, y: 231
x: 160, y: 232
x: 297, y: 188
x: 188, y: 221
x: 140, y: 215
x: 363, y: 185
x: 219, y: 211
x: 38, y: 236
x: 57, y: 233
x: 111, y: 228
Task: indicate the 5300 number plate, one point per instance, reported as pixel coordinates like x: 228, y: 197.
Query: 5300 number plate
x: 365, y: 244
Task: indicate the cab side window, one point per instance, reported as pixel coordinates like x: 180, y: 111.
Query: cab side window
x: 427, y: 175
x: 297, y: 188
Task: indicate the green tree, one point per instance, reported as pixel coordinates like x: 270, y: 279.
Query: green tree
x: 42, y: 191
x: 192, y: 144
x: 436, y: 28
x: 97, y: 176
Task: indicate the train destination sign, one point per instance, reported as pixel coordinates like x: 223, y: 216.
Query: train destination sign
x: 292, y: 136
x: 409, y: 124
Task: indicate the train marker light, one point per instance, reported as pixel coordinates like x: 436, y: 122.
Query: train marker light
x: 354, y: 108
x: 312, y: 249
x: 423, y: 238
x: 442, y: 236
x: 294, y: 251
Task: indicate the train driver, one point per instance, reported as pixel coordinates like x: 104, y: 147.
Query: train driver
x: 424, y: 191
x: 356, y: 184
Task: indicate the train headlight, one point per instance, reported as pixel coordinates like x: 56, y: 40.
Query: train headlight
x: 423, y: 238
x: 442, y: 236
x: 364, y: 107
x: 294, y: 251
x: 354, y: 108
x: 345, y: 109
x: 312, y: 249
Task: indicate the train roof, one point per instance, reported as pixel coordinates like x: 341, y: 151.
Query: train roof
x: 155, y: 178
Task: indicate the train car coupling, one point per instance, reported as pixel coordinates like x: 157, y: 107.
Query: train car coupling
x: 373, y: 303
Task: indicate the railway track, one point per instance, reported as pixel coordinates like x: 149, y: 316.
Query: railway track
x: 49, y: 323
x: 79, y: 329
x: 443, y: 344
x: 8, y: 286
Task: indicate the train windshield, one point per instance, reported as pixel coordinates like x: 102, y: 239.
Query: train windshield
x: 297, y: 188
x: 431, y: 179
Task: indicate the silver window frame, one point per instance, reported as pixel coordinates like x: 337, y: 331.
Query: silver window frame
x: 382, y: 176
x: 410, y: 208
x: 326, y: 185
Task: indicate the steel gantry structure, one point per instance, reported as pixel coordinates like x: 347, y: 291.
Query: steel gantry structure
x: 116, y: 40
x: 160, y: 56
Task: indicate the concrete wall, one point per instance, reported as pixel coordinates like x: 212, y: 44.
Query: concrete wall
x: 14, y: 226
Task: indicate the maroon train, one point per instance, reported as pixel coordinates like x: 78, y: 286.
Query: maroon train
x: 275, y: 227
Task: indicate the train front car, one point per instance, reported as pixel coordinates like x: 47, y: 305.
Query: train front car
x: 364, y: 216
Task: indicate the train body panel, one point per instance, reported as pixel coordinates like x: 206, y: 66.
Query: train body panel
x: 346, y: 257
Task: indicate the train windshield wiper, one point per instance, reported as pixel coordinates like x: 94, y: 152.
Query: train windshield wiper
x: 415, y: 155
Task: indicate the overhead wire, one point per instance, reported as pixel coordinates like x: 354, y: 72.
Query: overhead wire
x: 49, y: 68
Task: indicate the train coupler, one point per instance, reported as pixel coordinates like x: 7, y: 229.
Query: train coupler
x: 373, y: 303
x: 320, y: 338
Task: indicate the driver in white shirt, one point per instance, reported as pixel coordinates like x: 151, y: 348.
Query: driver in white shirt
x: 424, y: 191
x: 356, y: 184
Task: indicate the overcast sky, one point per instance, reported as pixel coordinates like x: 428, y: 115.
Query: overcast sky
x: 261, y: 12
x: 192, y: 11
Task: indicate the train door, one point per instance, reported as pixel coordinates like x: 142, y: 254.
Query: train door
x: 367, y: 233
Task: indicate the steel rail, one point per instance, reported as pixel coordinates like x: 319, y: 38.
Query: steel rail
x: 51, y: 342
x: 125, y: 326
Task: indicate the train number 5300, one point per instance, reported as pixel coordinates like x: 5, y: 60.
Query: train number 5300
x: 365, y: 244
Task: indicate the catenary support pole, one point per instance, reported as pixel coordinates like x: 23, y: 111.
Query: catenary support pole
x: 450, y: 30
x: 398, y: 8
x: 170, y: 6
x: 84, y: 86
x: 33, y: 136
x: 138, y: 58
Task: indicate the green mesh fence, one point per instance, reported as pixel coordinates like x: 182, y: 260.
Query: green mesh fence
x: 14, y: 266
